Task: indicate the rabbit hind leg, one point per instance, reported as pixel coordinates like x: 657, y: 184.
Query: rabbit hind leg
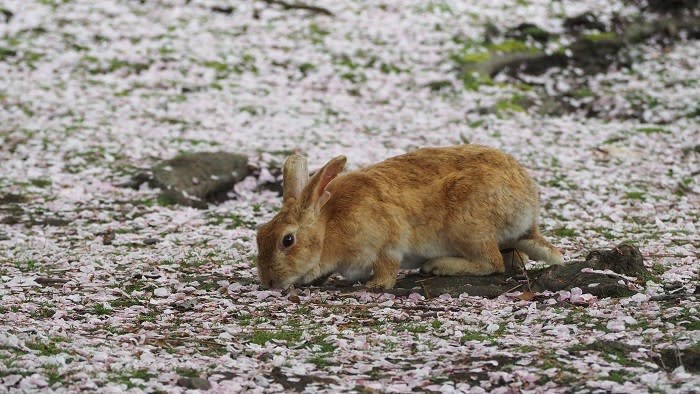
x: 481, y: 259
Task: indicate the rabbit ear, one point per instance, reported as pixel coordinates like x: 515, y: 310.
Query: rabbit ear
x: 295, y: 176
x: 316, y: 195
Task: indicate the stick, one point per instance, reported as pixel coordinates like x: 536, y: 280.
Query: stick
x: 300, y: 6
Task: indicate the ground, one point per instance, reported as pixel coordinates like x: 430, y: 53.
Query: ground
x: 108, y: 288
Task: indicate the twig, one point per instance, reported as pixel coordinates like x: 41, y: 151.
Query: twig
x: 509, y: 290
x: 51, y: 281
x: 425, y: 290
x: 395, y: 306
x: 668, y: 255
x: 521, y: 263
x: 300, y: 6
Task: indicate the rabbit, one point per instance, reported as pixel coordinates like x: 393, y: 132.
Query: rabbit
x: 445, y: 210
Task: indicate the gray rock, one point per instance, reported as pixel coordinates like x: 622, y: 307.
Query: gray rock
x: 194, y: 383
x: 195, y: 179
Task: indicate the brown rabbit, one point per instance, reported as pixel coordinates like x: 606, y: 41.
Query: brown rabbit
x: 446, y: 210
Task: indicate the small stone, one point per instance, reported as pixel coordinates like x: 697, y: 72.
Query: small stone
x: 194, y: 383
x: 161, y: 292
x: 186, y: 305
x: 107, y: 237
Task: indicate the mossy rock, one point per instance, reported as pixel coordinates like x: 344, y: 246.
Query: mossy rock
x: 196, y: 179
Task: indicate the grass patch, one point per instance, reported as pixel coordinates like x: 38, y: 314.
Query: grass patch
x: 509, y: 105
x: 149, y: 316
x: 635, y: 196
x: 52, y: 375
x: 48, y: 348
x: 611, y: 351
x: 126, y: 302
x: 652, y: 130
x: 605, y: 232
x: 101, y: 309
x: 319, y: 360
x: 136, y: 285
x: 187, y: 372
x: 44, y: 312
x: 325, y: 347
x: 125, y: 377
x: 413, y: 328
x: 27, y: 265
x: 472, y: 336
x: 261, y: 337
x: 40, y: 182
x: 564, y: 232
x: 617, y: 376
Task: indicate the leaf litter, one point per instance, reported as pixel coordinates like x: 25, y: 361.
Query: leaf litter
x: 92, y: 91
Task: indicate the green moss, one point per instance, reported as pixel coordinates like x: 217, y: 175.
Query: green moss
x: 473, y: 80
x: 582, y: 93
x: 658, y: 269
x: 510, y: 46
x: 165, y: 200
x: 471, y: 57
x: 503, y: 106
x: 597, y: 37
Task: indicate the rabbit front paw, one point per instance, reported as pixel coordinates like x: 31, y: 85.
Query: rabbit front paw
x: 381, y: 283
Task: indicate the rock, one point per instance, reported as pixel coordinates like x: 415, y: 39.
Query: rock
x: 11, y: 198
x: 4, y: 237
x: 528, y: 30
x: 195, y: 179
x: 296, y: 383
x: 581, y: 22
x: 194, y: 383
x: 151, y: 241
x: 672, y: 5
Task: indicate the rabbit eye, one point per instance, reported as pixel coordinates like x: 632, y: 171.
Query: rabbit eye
x: 288, y: 240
